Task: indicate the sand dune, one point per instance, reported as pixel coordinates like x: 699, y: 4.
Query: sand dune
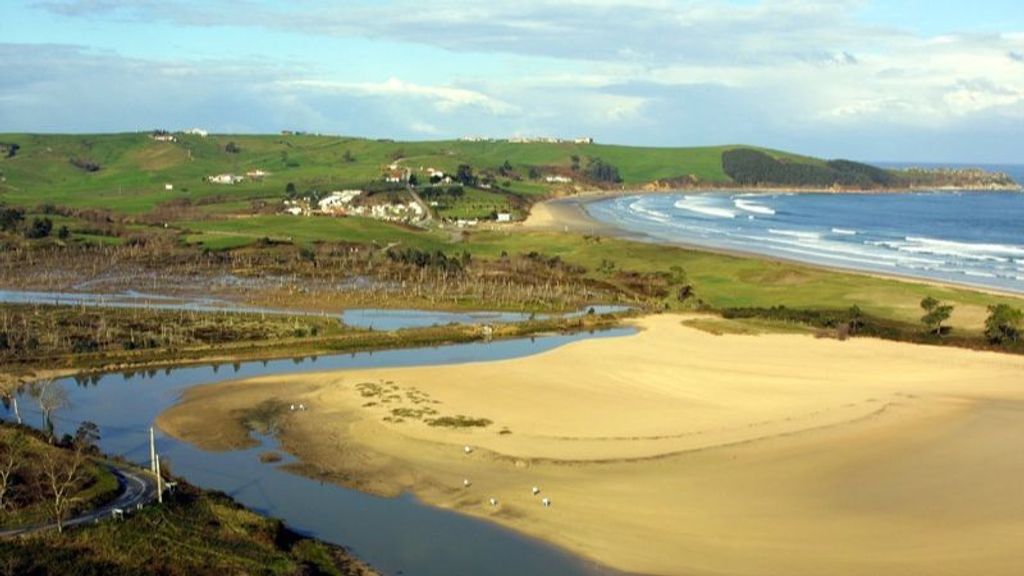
x: 678, y: 452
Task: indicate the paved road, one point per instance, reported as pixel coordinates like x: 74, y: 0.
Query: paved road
x: 135, y: 488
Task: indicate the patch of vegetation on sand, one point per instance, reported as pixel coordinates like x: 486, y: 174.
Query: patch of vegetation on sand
x: 264, y: 418
x: 748, y: 327
x: 270, y: 457
x: 459, y: 421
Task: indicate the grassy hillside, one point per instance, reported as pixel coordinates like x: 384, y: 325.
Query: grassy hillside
x: 193, y: 532
x: 133, y: 168
x: 26, y: 500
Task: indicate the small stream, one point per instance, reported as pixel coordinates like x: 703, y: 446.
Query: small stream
x: 395, y: 535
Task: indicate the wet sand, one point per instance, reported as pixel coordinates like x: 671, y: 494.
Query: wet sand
x: 675, y: 451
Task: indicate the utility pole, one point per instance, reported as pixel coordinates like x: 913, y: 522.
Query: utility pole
x: 159, y: 482
x: 152, y: 452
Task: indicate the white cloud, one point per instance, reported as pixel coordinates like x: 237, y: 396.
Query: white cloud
x: 768, y: 72
x: 444, y: 98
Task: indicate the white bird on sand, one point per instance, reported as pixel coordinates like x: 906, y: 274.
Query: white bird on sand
x: 494, y: 501
x: 536, y: 490
x: 546, y: 502
x: 466, y: 482
x: 467, y: 449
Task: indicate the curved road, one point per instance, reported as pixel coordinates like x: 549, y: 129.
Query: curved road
x: 135, y: 488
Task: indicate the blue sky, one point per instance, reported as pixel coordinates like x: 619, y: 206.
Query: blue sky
x: 895, y: 80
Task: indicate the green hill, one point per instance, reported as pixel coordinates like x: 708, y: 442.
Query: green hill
x: 127, y: 173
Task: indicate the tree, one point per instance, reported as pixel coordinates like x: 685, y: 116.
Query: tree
x: 464, y: 175
x: 63, y: 233
x: 413, y: 180
x: 12, y: 454
x: 348, y: 157
x: 935, y: 314
x: 602, y: 171
x: 61, y: 475
x: 856, y: 321
x: 232, y: 148
x: 575, y: 162
x: 50, y: 396
x: 40, y: 228
x: 10, y: 218
x: 86, y: 437
x: 1004, y: 324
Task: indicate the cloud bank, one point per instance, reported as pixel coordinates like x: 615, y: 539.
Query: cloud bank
x: 816, y: 78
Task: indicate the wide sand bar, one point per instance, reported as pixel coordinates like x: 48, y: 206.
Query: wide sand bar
x: 675, y: 451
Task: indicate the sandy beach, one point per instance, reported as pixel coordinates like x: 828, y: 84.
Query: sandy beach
x: 675, y: 451
x: 569, y: 215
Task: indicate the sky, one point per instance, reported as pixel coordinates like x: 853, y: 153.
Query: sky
x: 899, y: 80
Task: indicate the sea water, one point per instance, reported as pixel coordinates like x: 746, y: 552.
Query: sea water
x: 966, y: 237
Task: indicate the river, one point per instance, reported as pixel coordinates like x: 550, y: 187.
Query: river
x: 395, y: 535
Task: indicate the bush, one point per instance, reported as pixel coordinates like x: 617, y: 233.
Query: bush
x: 84, y: 164
x: 1004, y: 324
x: 40, y: 228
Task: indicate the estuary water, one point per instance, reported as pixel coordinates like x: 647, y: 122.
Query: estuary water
x: 368, y: 318
x: 395, y: 535
x: 965, y: 237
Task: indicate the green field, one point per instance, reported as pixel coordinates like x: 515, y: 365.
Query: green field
x: 235, y: 232
x: 134, y: 168
x: 724, y: 281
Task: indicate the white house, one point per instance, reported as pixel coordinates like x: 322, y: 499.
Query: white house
x: 224, y: 179
x: 504, y: 217
x: 168, y: 187
x: 164, y: 138
x: 257, y: 174
x: 338, y: 201
x: 197, y: 132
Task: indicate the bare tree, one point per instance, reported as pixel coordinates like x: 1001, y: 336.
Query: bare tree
x: 50, y: 396
x: 12, y: 454
x: 60, y: 477
x: 10, y: 400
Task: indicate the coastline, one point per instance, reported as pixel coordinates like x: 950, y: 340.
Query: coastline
x: 657, y: 448
x: 569, y: 215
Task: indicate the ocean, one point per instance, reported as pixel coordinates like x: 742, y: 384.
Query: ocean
x: 972, y: 238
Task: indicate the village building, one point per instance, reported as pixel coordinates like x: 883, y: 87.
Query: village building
x: 224, y: 179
